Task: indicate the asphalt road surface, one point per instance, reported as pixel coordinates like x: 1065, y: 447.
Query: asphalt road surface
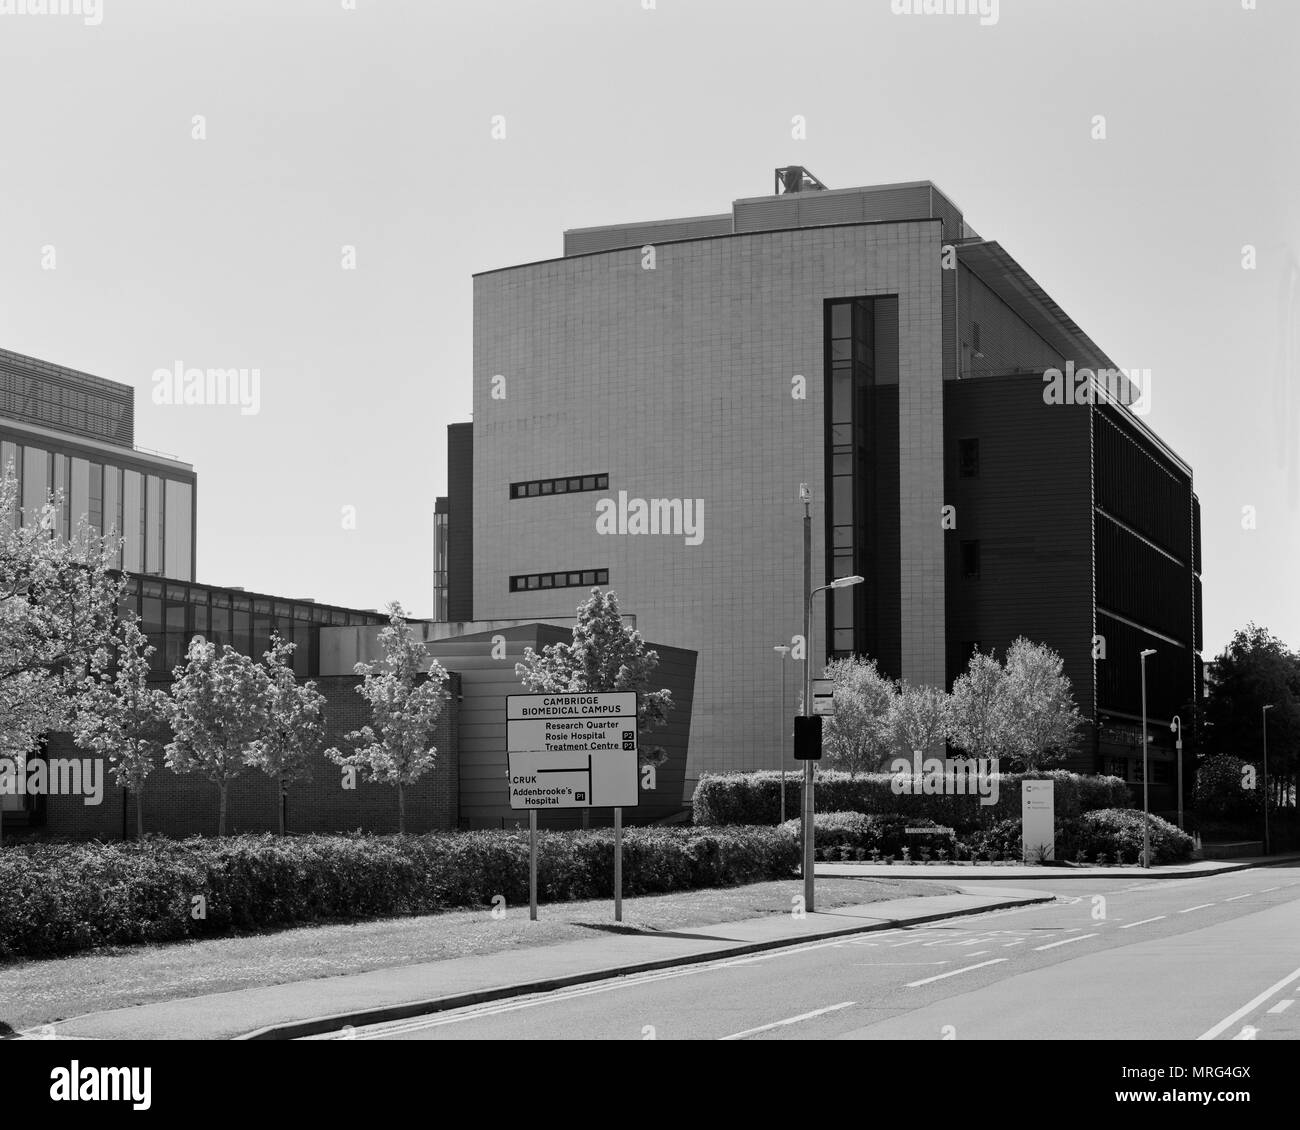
x: 1207, y: 958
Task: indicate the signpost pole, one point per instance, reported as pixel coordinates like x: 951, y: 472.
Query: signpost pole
x: 532, y: 864
x: 618, y: 865
x: 808, y: 884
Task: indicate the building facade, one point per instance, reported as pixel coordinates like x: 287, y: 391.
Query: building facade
x: 72, y: 434
x: 647, y: 406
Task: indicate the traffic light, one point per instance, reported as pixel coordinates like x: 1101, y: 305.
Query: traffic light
x: 808, y: 738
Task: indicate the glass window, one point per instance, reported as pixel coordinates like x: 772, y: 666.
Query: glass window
x: 970, y: 559
x: 589, y: 577
x: 151, y: 616
x: 36, y: 484
x: 178, y: 532
x: 534, y: 489
x: 561, y: 486
x: 602, y: 576
x: 153, y: 531
x: 575, y: 484
x: 548, y: 580
x: 132, y: 525
x: 589, y: 482
x: 534, y: 582
x: 548, y: 487
x: 602, y: 482
x: 113, y: 510
x: 968, y: 458
x: 199, y: 613
x: 575, y: 578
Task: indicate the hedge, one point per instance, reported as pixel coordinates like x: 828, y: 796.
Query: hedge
x: 60, y: 898
x: 1115, y: 830
x: 886, y: 833
x: 755, y: 798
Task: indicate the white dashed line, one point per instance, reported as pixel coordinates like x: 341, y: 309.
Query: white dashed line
x: 954, y: 972
x: 1065, y: 942
x: 1130, y: 925
x: 1191, y: 908
x: 791, y: 1020
x: 1282, y: 1006
x: 1236, y: 897
x: 1250, y: 1006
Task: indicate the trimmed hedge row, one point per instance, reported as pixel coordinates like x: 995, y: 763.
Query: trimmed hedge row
x: 60, y: 898
x: 755, y: 798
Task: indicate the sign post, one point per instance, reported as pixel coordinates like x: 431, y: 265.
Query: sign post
x: 1037, y: 820
x: 532, y: 864
x: 573, y: 750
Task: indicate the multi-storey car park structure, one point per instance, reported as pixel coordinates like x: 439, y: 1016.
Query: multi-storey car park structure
x: 868, y: 342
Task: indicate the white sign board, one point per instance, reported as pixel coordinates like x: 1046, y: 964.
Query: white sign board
x: 1038, y: 819
x: 572, y: 750
x: 823, y: 701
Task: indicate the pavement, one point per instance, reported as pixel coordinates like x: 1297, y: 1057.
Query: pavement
x: 329, y: 1005
x: 1122, y: 958
x: 965, y: 872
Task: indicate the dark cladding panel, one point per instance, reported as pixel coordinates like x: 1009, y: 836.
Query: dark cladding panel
x: 460, y: 521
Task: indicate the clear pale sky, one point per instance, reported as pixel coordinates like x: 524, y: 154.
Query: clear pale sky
x: 372, y: 127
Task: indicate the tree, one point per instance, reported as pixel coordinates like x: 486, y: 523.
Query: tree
x: 295, y: 729
x: 58, y: 609
x: 857, y: 737
x: 397, y: 749
x: 604, y: 655
x: 1254, y: 670
x: 918, y: 718
x: 1044, y: 722
x: 119, y: 716
x: 219, y: 710
x: 979, y: 708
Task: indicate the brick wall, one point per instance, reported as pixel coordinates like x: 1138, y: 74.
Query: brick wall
x: 184, y: 805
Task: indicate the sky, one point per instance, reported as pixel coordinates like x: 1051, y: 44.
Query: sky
x: 369, y: 124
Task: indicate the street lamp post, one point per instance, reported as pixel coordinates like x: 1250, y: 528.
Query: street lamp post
x: 1146, y: 776
x: 805, y: 494
x: 1177, y: 726
x: 1263, y: 716
x: 783, y: 650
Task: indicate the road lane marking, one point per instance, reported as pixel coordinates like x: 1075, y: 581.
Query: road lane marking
x: 1236, y: 897
x: 1191, y: 908
x: 1065, y: 942
x: 1282, y: 1006
x: 1017, y: 942
x: 1267, y: 889
x: 1249, y: 1007
x: 954, y: 972
x: 791, y: 1020
x: 1130, y: 925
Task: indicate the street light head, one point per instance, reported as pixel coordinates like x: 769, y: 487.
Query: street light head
x: 783, y: 649
x: 1270, y: 706
x: 1148, y: 651
x: 845, y: 582
x: 805, y: 492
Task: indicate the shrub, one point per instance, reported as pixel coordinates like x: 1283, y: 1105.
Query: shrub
x: 60, y: 898
x: 754, y: 798
x: 835, y: 829
x: 1119, y: 831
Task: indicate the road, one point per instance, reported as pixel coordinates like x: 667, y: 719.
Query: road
x: 1205, y: 958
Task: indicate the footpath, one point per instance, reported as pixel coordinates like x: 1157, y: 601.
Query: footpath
x: 325, y: 1005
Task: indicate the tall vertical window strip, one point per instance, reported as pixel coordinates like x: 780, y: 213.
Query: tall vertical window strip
x: 11, y: 460
x: 850, y: 373
x: 132, y: 524
x: 178, y: 508
x: 113, y: 510
x: 153, y: 562
x: 95, y: 496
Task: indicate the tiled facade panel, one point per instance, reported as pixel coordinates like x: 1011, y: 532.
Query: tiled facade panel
x: 677, y: 381
x: 1007, y: 343
x: 186, y: 804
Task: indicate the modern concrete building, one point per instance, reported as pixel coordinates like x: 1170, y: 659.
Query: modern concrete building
x: 647, y: 405
x: 66, y: 431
